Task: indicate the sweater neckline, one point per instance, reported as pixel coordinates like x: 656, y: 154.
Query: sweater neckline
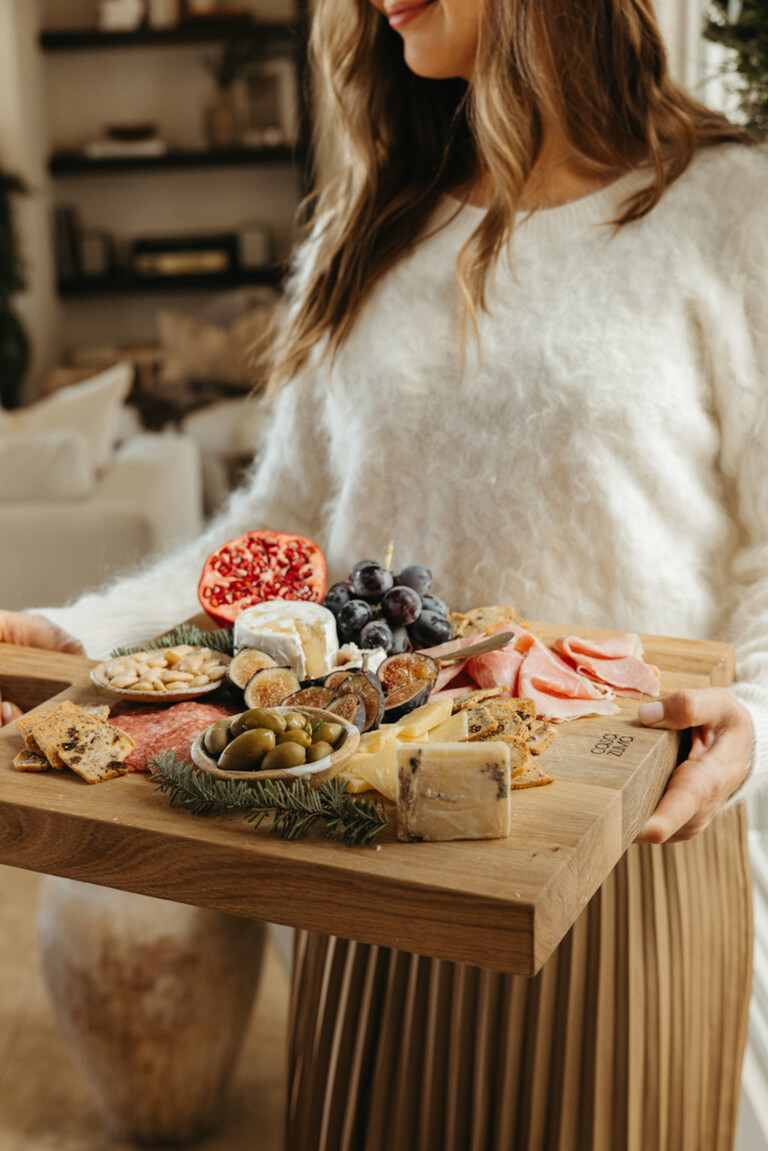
x: 595, y: 208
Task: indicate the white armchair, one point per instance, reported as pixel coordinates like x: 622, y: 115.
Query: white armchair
x: 75, y: 510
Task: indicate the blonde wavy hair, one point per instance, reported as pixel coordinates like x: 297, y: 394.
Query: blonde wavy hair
x: 596, y: 68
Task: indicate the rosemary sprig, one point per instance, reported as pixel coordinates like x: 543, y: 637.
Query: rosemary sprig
x: 220, y: 640
x: 294, y: 810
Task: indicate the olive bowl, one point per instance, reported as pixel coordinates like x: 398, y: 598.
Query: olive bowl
x: 314, y: 773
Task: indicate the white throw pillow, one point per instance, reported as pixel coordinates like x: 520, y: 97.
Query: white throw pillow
x: 220, y: 343
x: 46, y: 465
x: 91, y: 408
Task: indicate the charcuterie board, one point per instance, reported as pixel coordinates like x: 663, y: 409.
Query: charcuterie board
x: 500, y: 904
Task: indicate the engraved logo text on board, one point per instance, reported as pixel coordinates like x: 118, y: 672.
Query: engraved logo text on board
x: 612, y: 744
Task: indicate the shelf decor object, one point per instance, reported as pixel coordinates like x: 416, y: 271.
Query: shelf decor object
x: 164, y: 13
x: 121, y: 15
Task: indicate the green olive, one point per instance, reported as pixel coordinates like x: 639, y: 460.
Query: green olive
x: 295, y: 721
x: 318, y: 750
x: 258, y: 717
x: 327, y: 733
x: 283, y: 756
x: 303, y: 738
x: 247, y: 750
x: 217, y: 737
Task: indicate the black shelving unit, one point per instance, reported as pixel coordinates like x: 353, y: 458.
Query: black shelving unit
x: 284, y: 36
x: 77, y: 164
x: 188, y: 32
x: 122, y: 283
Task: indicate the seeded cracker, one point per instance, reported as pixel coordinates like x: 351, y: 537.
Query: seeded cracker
x: 510, y: 724
x: 540, y: 736
x: 526, y: 709
x: 94, y: 749
x: 481, y: 620
x: 533, y: 776
x: 30, y: 761
x: 519, y: 755
x: 481, y: 724
x: 48, y: 730
x: 473, y: 698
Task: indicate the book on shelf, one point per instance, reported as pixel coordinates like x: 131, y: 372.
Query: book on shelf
x: 125, y: 149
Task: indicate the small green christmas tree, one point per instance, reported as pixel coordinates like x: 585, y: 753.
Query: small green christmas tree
x: 14, y: 344
x: 743, y: 26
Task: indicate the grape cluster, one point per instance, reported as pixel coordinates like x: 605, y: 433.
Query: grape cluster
x: 374, y: 608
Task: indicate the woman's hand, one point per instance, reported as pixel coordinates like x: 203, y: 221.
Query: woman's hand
x: 36, y: 631
x: 32, y: 631
x: 717, y: 764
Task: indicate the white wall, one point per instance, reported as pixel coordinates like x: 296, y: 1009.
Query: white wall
x: 23, y: 147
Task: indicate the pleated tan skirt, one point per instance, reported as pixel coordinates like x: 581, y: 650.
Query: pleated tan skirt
x: 630, y: 1038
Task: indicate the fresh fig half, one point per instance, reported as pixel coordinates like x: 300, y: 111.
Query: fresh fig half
x: 315, y: 696
x: 351, y: 708
x: 407, y: 667
x: 335, y: 678
x: 407, y: 698
x: 368, y: 687
x: 270, y: 687
x: 244, y: 666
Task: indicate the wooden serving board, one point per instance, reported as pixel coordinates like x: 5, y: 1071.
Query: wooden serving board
x: 501, y: 904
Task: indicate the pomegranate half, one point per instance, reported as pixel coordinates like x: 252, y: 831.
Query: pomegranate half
x: 260, y: 566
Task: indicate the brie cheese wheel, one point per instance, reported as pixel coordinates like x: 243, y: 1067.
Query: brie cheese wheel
x: 296, y: 634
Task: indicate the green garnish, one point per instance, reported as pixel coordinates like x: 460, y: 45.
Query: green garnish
x: 294, y: 809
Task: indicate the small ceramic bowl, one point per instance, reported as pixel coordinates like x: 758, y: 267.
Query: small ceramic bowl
x: 101, y: 680
x: 316, y: 773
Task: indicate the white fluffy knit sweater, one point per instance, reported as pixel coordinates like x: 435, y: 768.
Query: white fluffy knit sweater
x: 604, y: 463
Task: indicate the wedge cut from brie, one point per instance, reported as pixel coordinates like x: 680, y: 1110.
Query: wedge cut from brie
x: 296, y: 634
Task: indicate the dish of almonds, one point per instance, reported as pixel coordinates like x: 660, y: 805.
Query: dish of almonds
x: 167, y: 674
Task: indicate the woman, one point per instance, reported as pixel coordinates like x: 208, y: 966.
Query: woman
x: 526, y: 337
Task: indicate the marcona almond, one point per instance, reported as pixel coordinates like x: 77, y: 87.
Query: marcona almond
x: 180, y: 668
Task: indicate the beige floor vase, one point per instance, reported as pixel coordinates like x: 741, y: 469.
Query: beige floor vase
x: 629, y: 1039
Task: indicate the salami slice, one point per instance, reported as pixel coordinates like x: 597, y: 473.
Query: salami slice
x: 172, y: 728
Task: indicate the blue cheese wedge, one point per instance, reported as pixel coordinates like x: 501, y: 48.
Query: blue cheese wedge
x: 453, y: 791
x: 296, y: 634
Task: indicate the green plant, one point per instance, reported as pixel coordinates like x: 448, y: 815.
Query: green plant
x: 294, y: 809
x: 235, y: 60
x: 14, y: 344
x: 742, y: 25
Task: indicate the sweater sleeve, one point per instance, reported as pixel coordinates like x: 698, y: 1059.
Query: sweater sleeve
x: 739, y: 363
x: 286, y: 491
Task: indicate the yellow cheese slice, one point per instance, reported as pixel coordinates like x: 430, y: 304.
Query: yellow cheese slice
x: 420, y: 721
x: 454, y: 730
x: 379, y: 768
x: 355, y: 782
x: 373, y: 741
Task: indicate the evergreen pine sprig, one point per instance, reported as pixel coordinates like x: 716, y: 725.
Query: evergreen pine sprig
x: 294, y: 810
x: 220, y: 640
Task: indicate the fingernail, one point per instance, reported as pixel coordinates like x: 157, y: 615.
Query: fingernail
x: 7, y: 713
x: 650, y: 712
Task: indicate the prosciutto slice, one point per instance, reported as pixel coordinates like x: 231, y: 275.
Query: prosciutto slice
x: 616, y: 661
x: 496, y: 667
x: 560, y: 692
